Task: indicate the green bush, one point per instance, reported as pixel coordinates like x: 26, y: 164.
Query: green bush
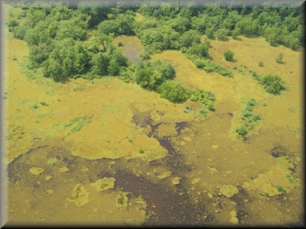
x: 141, y: 151
x: 281, y: 189
x: 22, y: 14
x: 202, y: 112
x: 272, y: 84
x: 241, y: 130
x: 150, y: 75
x: 19, y: 32
x: 12, y: 23
x: 260, y: 63
x: 229, y: 55
x: 211, y: 67
x: 120, y: 43
x: 210, y: 106
x: 279, y: 59
x: 199, y: 63
x: 173, y: 91
x: 251, y: 102
x: 256, y: 117
x: 145, y: 56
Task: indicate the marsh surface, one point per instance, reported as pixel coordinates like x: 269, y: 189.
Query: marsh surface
x: 112, y: 153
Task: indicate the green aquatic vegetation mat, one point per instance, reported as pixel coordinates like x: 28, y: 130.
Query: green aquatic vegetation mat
x: 248, y: 117
x: 78, y: 123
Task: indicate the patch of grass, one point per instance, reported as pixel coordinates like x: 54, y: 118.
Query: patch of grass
x: 260, y: 63
x: 130, y: 140
x: 279, y: 160
x: 78, y: 88
x: 243, y: 100
x: 44, y: 104
x: 14, y: 58
x: 80, y: 122
x: 260, y: 196
x: 251, y: 126
x: 288, y: 159
x: 292, y: 177
x: 67, y: 124
x: 256, y: 117
x: 248, y: 117
x: 281, y: 189
x: 42, y: 115
x: 78, y: 127
x: 35, y: 106
x: 208, y: 66
x: 202, y: 112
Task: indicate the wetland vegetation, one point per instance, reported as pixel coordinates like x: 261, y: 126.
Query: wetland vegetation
x: 154, y: 113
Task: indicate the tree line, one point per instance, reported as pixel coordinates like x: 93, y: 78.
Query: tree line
x: 57, y: 36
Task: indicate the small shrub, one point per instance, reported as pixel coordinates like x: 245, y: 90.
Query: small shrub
x: 202, y: 112
x: 252, y: 102
x: 260, y: 63
x: 145, y: 56
x: 256, y: 117
x: 251, y: 126
x: 241, y: 130
x: 246, y: 114
x: 14, y: 58
x: 13, y: 23
x: 44, y: 104
x: 21, y: 15
x: 279, y: 59
x: 141, y: 151
x: 120, y: 43
x: 281, y: 189
x: 173, y: 91
x: 229, y: 55
x: 199, y: 64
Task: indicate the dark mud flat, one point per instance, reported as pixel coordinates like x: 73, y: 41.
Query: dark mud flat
x: 168, y: 207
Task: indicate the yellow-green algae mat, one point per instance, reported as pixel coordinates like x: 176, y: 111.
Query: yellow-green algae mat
x: 112, y: 153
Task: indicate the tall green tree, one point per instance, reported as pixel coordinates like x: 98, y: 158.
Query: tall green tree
x: 113, y: 68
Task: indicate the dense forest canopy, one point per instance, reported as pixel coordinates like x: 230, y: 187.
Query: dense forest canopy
x: 57, y: 34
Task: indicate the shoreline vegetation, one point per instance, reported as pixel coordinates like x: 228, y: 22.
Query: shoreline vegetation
x: 57, y: 36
